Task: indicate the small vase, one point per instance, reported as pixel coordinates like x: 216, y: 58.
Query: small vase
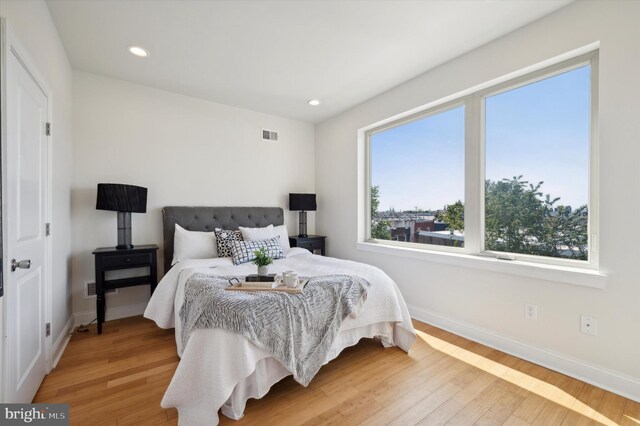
x: 263, y: 270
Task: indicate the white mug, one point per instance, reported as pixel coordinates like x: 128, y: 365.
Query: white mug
x: 290, y: 279
x: 285, y: 274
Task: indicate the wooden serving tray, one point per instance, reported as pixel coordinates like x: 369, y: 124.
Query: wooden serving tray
x: 251, y: 286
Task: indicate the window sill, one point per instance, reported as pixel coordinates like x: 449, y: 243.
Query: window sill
x: 562, y: 274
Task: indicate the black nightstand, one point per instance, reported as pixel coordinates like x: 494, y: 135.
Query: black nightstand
x: 311, y: 243
x: 112, y: 259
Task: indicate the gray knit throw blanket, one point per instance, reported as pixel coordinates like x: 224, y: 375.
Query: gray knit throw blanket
x: 297, y: 329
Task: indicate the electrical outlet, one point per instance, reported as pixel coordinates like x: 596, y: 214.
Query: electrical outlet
x: 531, y: 311
x: 589, y: 325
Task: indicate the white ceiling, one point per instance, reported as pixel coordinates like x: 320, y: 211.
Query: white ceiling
x: 272, y: 56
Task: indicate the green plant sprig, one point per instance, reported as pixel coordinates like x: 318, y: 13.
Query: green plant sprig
x: 262, y: 257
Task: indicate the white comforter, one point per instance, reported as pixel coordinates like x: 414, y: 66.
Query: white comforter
x: 221, y: 369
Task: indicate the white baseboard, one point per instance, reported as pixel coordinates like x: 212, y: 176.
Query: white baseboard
x: 115, y: 312
x: 626, y: 386
x: 61, y: 342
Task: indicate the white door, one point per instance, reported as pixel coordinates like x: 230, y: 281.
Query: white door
x: 26, y: 190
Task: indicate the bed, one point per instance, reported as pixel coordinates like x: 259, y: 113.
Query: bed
x: 221, y: 370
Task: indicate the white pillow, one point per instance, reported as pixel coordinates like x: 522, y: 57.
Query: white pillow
x: 284, y: 236
x: 193, y: 245
x: 257, y: 234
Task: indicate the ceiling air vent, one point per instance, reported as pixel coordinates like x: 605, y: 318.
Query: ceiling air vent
x: 269, y: 135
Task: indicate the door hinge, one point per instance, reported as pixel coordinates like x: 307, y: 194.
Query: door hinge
x: 47, y: 229
x: 48, y: 329
x: 48, y: 129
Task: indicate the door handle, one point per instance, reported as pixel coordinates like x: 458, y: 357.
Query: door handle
x: 23, y: 264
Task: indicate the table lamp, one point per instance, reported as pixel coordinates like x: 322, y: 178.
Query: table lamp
x: 124, y: 199
x: 303, y: 203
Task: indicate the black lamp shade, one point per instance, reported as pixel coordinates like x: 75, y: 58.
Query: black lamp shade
x: 121, y: 198
x: 305, y: 202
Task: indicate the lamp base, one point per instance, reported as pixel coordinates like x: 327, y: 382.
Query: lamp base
x: 124, y: 231
x: 302, y: 224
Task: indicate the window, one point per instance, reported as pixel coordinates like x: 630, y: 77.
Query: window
x: 520, y: 152
x: 410, y: 196
x: 537, y: 167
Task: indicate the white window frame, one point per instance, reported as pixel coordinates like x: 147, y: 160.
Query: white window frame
x: 548, y: 72
x: 474, y: 104
x: 443, y: 107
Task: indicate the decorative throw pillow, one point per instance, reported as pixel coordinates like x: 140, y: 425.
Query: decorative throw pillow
x: 243, y: 251
x: 192, y: 245
x: 224, y: 238
x: 281, y: 231
x: 256, y: 234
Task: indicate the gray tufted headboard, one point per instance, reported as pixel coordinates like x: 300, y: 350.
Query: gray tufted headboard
x: 208, y: 218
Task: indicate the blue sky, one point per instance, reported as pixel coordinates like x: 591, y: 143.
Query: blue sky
x: 540, y: 131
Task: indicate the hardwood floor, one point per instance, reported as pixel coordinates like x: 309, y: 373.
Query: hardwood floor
x: 119, y: 378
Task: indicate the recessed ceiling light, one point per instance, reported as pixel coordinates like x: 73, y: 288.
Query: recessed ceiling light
x: 138, y: 51
x: 313, y: 102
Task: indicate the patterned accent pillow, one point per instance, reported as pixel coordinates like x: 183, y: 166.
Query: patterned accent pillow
x: 243, y: 251
x: 224, y: 238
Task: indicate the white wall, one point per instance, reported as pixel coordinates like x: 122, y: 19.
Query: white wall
x: 186, y: 151
x: 33, y: 26
x: 477, y: 300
